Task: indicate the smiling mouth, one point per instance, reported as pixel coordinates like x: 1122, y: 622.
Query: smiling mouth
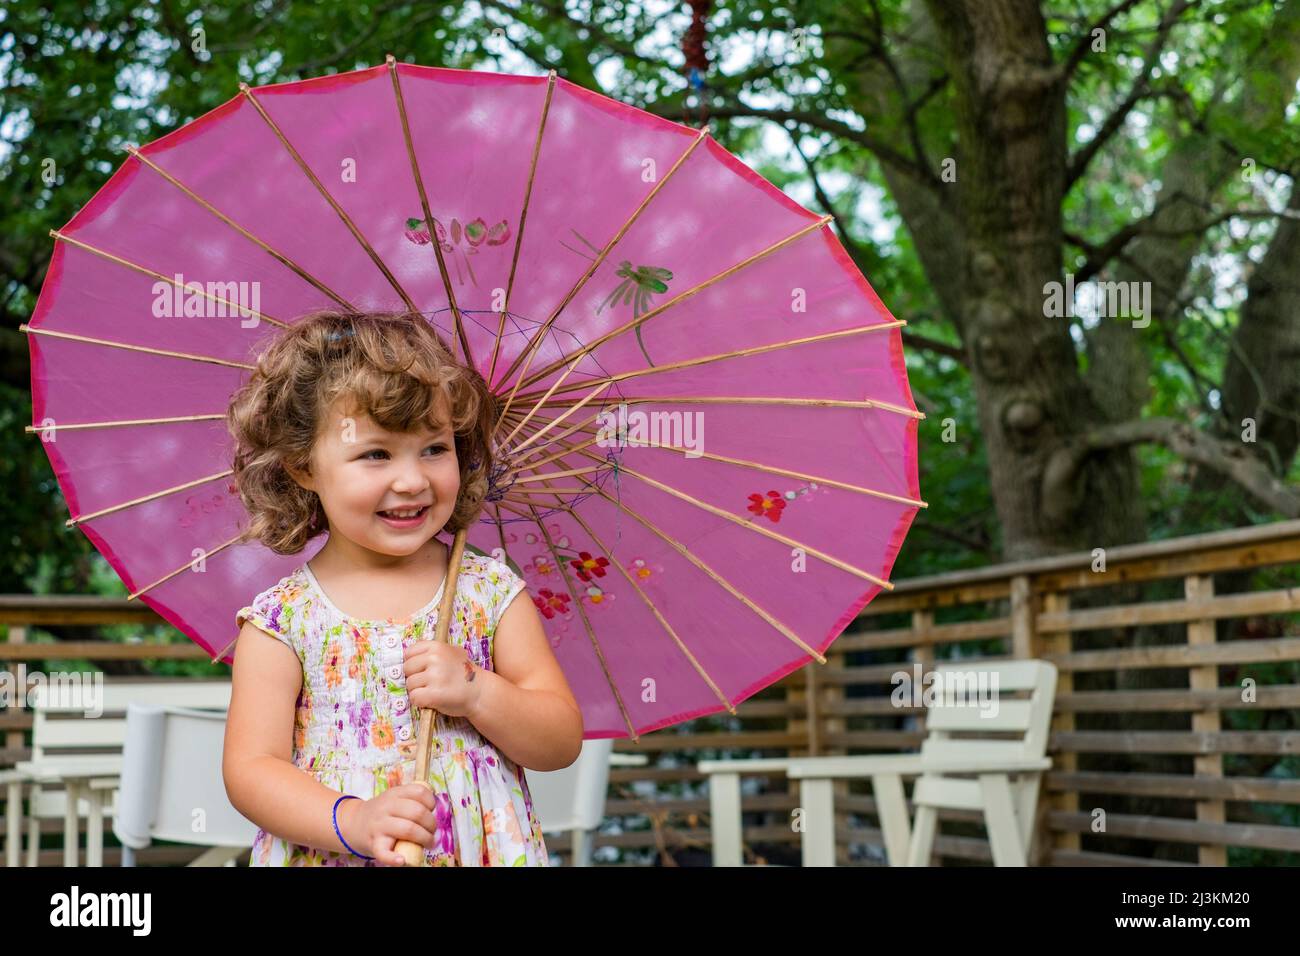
x: 404, y: 514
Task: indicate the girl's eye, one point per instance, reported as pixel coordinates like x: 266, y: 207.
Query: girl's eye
x: 379, y: 451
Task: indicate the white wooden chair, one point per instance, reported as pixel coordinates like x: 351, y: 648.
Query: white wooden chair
x: 573, y: 799
x: 172, y: 788
x: 82, y: 753
x: 1006, y: 771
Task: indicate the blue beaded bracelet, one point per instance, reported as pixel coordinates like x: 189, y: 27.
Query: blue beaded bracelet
x: 346, y: 796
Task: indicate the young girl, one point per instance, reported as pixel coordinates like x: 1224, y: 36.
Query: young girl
x: 364, y: 426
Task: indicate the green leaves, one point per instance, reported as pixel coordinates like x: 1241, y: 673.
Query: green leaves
x: 76, y: 82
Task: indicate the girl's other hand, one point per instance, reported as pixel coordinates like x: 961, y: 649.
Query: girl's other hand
x: 399, y: 813
x: 442, y: 677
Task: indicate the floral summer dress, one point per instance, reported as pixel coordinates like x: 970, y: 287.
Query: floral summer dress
x: 355, y: 730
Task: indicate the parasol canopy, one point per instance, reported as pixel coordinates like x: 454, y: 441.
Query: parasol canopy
x: 707, y: 441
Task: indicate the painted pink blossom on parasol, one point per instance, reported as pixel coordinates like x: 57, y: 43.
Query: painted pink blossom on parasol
x: 708, y: 442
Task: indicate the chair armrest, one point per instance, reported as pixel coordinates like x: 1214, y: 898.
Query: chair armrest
x: 628, y: 760
x: 905, y: 765
x: 988, y: 766
x: 755, y: 765
x: 865, y: 765
x: 32, y: 772
x: 79, y: 768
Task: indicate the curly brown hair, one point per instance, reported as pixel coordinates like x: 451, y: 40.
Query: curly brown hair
x: 395, y: 368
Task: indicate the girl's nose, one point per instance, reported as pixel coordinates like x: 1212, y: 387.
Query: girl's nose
x: 410, y: 480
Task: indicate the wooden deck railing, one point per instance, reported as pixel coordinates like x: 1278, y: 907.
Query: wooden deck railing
x: 1176, y: 730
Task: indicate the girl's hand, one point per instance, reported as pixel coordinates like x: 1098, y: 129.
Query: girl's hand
x: 374, y: 826
x: 443, y: 677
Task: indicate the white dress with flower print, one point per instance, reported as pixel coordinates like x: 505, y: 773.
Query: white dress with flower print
x: 355, y: 730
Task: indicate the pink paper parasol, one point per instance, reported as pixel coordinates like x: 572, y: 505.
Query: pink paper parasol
x: 611, y: 273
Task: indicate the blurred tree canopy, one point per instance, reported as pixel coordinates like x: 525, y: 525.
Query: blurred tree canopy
x: 973, y: 153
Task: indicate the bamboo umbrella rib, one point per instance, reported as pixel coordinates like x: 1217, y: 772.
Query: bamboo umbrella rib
x: 711, y: 400
x: 537, y: 451
x: 273, y: 253
x: 559, y: 439
x: 508, y: 411
x: 767, y: 617
x: 70, y: 426
x: 772, y: 469
x: 501, y: 532
x: 751, y: 400
x: 517, y: 460
x: 802, y: 476
x: 543, y: 480
x: 135, y: 348
x: 526, y: 355
x: 222, y: 653
x: 532, y: 411
x: 171, y: 574
x: 511, y: 508
x: 591, y: 633
x: 714, y: 575
x: 680, y: 297
x: 529, y: 414
x: 546, y: 490
x: 235, y: 307
x: 759, y: 466
x: 547, y: 476
x: 723, y: 582
x: 738, y: 353
x: 556, y: 440
x: 80, y: 519
x: 681, y: 645
x: 428, y: 214
x: 668, y: 628
x: 571, y: 429
x: 809, y: 549
x: 325, y: 194
x: 523, y: 218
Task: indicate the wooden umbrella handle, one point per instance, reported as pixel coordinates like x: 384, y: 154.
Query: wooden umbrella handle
x: 413, y: 853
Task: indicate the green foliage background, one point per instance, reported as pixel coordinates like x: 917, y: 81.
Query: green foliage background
x: 78, y: 80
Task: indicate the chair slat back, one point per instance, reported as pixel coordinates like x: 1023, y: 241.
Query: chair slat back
x: 69, y: 719
x: 968, y: 699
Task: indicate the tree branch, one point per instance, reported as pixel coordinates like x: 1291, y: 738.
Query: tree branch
x: 617, y: 45
x: 904, y: 97
x: 1099, y: 255
x: 980, y: 545
x: 378, y: 19
x: 918, y: 341
x: 824, y: 200
x: 1079, y: 162
x: 1226, y: 456
x: 1199, y: 382
x: 856, y: 253
x: 1081, y: 48
x: 179, y: 29
x: 821, y: 121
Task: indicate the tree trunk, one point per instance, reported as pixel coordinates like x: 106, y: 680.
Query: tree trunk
x: 1261, y: 379
x: 1010, y: 115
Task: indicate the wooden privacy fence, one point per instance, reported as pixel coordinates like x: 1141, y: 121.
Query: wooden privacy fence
x: 1175, y: 735
x: 1176, y: 728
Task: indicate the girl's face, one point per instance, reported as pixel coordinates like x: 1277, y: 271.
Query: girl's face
x: 361, y: 470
